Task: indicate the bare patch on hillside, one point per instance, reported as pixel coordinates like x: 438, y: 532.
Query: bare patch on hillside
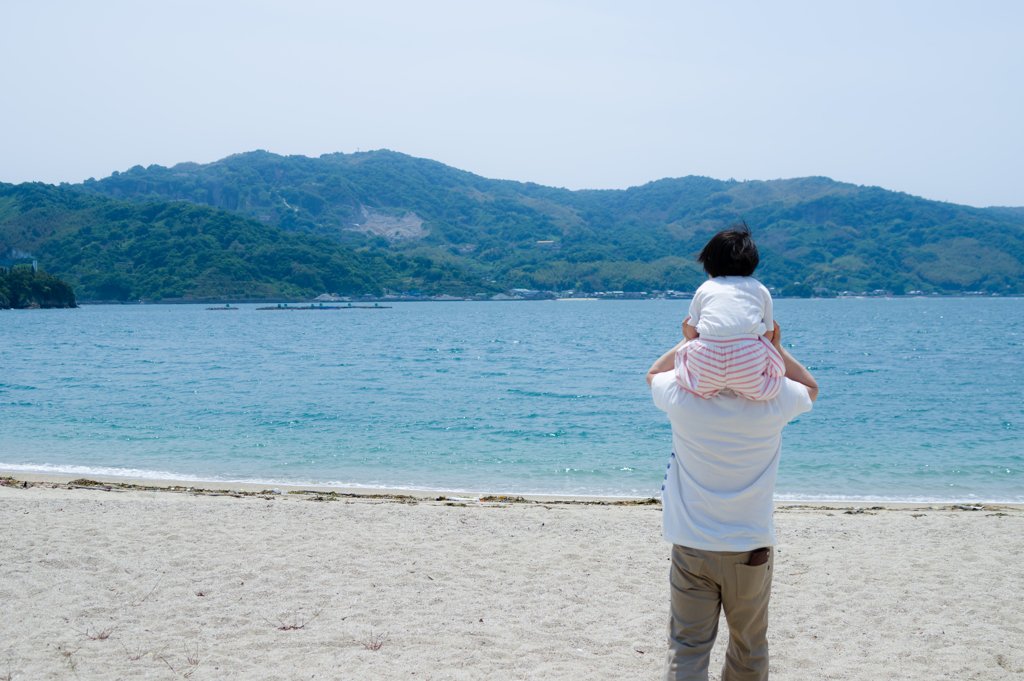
x: 409, y: 226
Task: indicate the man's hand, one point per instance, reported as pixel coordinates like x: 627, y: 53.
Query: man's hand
x: 690, y: 332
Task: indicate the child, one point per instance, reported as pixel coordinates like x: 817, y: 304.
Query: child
x: 730, y: 326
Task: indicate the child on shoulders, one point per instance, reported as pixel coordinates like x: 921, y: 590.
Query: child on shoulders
x: 730, y: 327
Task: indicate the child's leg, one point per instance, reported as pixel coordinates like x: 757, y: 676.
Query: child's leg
x: 761, y: 381
x: 765, y: 388
x: 697, y: 371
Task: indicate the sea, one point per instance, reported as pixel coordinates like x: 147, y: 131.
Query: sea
x: 921, y: 398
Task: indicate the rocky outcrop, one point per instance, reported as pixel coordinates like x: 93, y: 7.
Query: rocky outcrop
x: 24, y: 289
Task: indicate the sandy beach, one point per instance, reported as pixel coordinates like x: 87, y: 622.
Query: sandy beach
x: 134, y: 583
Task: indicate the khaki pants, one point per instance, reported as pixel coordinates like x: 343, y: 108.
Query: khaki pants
x: 704, y: 582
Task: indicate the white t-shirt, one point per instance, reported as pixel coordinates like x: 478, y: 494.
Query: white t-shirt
x: 731, y: 306
x: 718, y: 490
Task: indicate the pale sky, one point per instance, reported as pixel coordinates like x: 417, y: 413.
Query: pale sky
x: 919, y: 97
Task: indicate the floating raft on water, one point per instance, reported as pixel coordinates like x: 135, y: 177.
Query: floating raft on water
x: 226, y: 307
x: 321, y: 306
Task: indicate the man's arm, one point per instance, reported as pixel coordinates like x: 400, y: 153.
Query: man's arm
x: 769, y: 314
x: 794, y: 370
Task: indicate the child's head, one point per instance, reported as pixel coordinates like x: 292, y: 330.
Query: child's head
x: 730, y: 253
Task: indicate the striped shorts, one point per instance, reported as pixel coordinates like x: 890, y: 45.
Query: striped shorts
x: 747, y: 365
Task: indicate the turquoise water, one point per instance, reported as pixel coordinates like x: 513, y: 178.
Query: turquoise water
x: 921, y: 399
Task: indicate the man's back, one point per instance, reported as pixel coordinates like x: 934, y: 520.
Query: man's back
x: 718, y: 490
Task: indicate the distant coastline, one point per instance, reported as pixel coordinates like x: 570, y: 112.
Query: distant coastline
x: 434, y: 299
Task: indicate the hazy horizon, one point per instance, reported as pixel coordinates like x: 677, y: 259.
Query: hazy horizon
x: 921, y: 98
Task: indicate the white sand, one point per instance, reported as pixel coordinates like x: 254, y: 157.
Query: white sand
x: 495, y: 591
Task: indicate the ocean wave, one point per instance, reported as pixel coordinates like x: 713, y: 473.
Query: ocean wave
x: 113, y: 472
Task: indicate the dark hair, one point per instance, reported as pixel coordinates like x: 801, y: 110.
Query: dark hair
x: 730, y: 253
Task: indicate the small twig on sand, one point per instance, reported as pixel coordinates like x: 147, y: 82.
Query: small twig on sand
x: 98, y: 634
x: 375, y: 641
x: 160, y: 656
x: 192, y: 656
x: 296, y: 623
x: 70, y: 661
x: 133, y: 655
x: 135, y: 605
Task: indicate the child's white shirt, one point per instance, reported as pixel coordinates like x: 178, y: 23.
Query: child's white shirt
x: 731, y: 306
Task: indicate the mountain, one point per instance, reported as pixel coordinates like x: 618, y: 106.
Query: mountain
x: 365, y: 221
x: 811, y: 229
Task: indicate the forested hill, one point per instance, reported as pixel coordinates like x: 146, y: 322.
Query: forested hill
x: 813, y: 230
x: 111, y: 249
x: 297, y: 226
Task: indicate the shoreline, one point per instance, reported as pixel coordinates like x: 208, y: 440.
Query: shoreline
x: 249, y: 488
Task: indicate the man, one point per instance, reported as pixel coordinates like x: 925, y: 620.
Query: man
x: 717, y: 511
